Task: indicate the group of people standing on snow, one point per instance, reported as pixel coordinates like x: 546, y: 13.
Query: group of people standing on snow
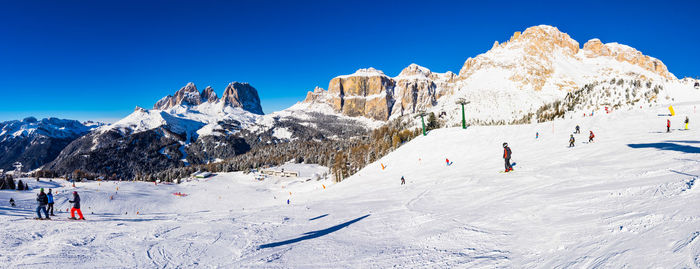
x: 45, y: 204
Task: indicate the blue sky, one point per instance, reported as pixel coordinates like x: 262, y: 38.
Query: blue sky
x: 100, y: 59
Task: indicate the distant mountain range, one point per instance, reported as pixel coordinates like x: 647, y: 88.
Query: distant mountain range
x: 35, y: 142
x: 536, y: 75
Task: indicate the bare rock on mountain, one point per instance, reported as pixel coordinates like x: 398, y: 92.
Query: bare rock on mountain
x: 242, y: 95
x: 208, y: 95
x: 367, y: 93
x: 188, y: 95
x: 596, y: 48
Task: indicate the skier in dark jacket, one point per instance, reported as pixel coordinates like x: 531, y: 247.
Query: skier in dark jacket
x: 12, y: 202
x: 50, y: 198
x: 571, y: 141
x: 578, y: 130
x: 506, y: 156
x: 43, y: 201
x: 76, y: 206
x: 403, y: 180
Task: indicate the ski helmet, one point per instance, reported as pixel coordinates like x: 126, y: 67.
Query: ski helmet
x: 505, y: 144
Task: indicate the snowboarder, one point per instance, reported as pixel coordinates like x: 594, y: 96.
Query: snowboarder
x: 506, y: 156
x: 668, y: 125
x: 403, y: 180
x: 76, y: 206
x: 571, y: 141
x: 12, y: 202
x: 686, y: 122
x: 590, y: 137
x: 578, y: 130
x: 50, y: 208
x: 42, y: 200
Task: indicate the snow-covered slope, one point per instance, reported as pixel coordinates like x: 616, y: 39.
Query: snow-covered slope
x: 625, y: 201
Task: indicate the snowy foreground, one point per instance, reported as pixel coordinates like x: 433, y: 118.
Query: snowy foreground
x: 630, y: 199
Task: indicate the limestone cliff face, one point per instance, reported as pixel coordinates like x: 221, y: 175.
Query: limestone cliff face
x: 367, y: 92
x: 596, y: 48
x: 242, y: 95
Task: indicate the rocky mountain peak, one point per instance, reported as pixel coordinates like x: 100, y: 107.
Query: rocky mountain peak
x: 242, y: 95
x: 415, y: 70
x: 208, y: 95
x: 188, y: 95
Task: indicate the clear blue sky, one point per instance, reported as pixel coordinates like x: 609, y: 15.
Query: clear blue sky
x: 100, y: 59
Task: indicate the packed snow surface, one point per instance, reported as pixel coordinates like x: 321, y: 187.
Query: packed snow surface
x: 628, y: 200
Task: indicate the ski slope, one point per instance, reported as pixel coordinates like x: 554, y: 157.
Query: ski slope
x: 628, y: 200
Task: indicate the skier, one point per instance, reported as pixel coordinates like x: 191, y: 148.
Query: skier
x: 578, y: 130
x: 12, y: 202
x: 42, y: 200
x: 403, y: 181
x: 50, y: 208
x: 571, y: 141
x: 668, y: 125
x: 447, y: 161
x: 506, y: 156
x: 76, y: 206
x: 590, y: 137
x: 686, y: 122
x: 537, y: 135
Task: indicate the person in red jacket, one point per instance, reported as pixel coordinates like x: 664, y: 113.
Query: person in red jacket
x: 590, y: 137
x: 506, y: 156
x: 76, y: 206
x: 668, y: 125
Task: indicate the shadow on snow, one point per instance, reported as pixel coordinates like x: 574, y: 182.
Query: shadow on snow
x: 313, y: 234
x: 321, y: 216
x: 667, y: 146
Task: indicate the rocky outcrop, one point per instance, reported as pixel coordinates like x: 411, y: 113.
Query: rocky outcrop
x: 367, y: 93
x: 372, y: 94
x: 596, y: 48
x: 242, y: 95
x: 208, y: 95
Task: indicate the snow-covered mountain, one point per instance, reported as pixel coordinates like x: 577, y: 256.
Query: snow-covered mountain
x: 509, y: 83
x: 35, y: 142
x: 192, y: 127
x: 537, y: 75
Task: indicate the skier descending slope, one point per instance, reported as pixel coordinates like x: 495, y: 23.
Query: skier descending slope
x: 571, y: 141
x: 403, y: 181
x: 590, y: 137
x: 578, y: 130
x: 686, y: 122
x: 506, y: 156
x: 668, y: 125
x: 76, y: 206
x: 43, y: 201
